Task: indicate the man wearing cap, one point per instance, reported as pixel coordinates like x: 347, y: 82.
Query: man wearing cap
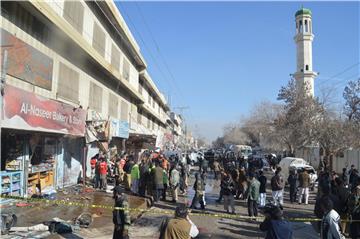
x: 274, y: 224
x: 180, y: 227
x: 121, y: 218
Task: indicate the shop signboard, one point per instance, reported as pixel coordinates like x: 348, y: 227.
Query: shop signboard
x: 25, y: 62
x: 25, y: 110
x: 119, y: 128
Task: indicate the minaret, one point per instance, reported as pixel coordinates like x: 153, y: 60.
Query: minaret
x: 304, y: 74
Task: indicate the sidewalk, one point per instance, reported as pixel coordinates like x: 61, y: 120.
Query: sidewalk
x: 39, y: 212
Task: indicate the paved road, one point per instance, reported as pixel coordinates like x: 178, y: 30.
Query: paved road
x: 214, y: 227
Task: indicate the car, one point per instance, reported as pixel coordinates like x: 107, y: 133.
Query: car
x: 195, y: 157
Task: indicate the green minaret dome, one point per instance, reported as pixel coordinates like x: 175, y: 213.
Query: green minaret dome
x: 303, y: 11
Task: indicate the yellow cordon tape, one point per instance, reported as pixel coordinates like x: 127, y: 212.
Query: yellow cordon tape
x: 218, y: 215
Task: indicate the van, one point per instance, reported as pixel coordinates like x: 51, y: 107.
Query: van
x: 290, y: 163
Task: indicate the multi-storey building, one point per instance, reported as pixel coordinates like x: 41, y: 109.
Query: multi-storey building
x: 72, y: 71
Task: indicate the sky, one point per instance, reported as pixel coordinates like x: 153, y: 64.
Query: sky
x: 219, y: 59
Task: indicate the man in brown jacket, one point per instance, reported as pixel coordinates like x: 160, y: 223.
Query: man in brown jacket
x: 304, y: 183
x: 180, y: 227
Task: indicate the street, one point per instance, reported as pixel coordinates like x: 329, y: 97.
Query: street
x: 215, y: 227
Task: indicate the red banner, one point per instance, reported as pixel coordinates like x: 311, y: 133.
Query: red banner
x: 25, y: 110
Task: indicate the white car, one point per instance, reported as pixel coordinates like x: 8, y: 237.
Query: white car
x: 195, y: 156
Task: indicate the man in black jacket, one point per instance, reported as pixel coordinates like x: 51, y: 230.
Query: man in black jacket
x: 262, y: 179
x: 121, y: 216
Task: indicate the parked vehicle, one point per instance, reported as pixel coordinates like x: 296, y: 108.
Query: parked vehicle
x: 195, y: 157
x: 311, y: 171
x: 243, y: 150
x: 289, y: 163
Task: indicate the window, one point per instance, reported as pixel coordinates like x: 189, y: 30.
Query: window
x: 115, y: 57
x: 74, y: 14
x: 133, y: 111
x: 95, y: 97
x: 300, y: 26
x: 25, y: 20
x: 98, y: 39
x: 124, y: 111
x: 126, y: 70
x: 307, y: 67
x: 113, y: 105
x: 68, y: 83
x: 149, y: 99
x: 297, y: 27
x: 153, y: 103
x: 149, y: 122
x: 153, y: 125
x: 139, y: 117
x: 306, y: 26
x: 140, y: 88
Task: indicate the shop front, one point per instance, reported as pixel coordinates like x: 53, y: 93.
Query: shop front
x: 41, y: 143
x: 119, y: 133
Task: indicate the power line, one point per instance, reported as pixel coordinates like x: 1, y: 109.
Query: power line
x: 161, y: 55
x: 338, y: 74
x: 146, y: 46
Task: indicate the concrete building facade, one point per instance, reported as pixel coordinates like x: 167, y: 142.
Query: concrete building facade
x: 78, y: 67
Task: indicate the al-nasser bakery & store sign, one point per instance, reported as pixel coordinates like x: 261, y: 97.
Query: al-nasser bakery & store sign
x: 25, y: 110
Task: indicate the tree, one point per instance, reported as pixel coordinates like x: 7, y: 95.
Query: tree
x: 297, y: 125
x: 259, y: 126
x: 351, y: 95
x: 218, y: 143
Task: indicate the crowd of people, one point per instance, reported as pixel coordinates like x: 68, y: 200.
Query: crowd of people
x: 337, y: 200
x: 154, y: 175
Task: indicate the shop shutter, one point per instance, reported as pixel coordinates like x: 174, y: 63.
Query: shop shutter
x: 124, y: 111
x: 98, y: 39
x: 95, y: 97
x: 74, y: 14
x: 126, y: 70
x: 115, y: 57
x: 113, y: 105
x: 68, y: 83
